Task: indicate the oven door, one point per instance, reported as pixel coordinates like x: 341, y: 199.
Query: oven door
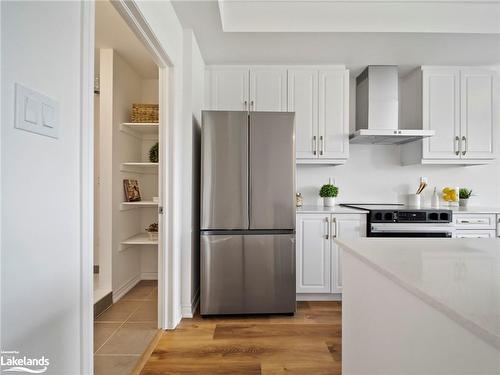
x: 411, y: 230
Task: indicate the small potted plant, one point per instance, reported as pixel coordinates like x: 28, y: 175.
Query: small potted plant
x: 153, y: 153
x: 464, y: 194
x: 329, y: 192
x: 152, y: 230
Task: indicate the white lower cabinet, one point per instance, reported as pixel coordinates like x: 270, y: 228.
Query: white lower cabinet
x: 478, y: 233
x: 471, y: 225
x: 313, y: 253
x: 319, y: 259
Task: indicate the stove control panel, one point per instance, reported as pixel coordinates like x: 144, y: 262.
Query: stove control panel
x: 411, y: 216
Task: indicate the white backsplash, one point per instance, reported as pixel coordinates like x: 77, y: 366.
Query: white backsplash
x: 373, y: 174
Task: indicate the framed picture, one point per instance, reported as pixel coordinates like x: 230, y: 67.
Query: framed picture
x: 132, y: 191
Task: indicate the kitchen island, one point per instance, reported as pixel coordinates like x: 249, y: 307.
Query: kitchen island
x: 420, y: 306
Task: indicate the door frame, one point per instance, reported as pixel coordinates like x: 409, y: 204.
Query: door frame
x: 167, y: 287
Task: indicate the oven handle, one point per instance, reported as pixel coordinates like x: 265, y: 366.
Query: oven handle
x: 398, y: 228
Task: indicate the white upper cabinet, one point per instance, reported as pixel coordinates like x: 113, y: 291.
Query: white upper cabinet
x: 313, y: 259
x: 441, y: 112
x: 477, y: 113
x: 458, y: 103
x: 229, y: 88
x: 333, y: 114
x: 303, y: 100
x: 320, y: 99
x: 268, y: 89
x: 319, y: 96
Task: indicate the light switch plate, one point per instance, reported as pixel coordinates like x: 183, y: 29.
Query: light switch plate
x: 36, y: 113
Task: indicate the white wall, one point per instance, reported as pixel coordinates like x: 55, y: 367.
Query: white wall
x: 40, y: 176
x: 194, y: 80
x: 121, y: 86
x: 373, y: 174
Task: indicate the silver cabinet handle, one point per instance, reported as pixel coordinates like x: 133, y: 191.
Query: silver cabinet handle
x: 327, y: 228
x: 314, y: 145
x: 321, y: 145
x: 251, y: 104
x: 245, y: 104
x: 334, y: 224
x: 457, y: 145
x: 464, y: 139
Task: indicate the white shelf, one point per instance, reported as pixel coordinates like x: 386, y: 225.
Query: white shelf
x: 138, y: 239
x: 139, y: 167
x: 140, y: 204
x: 141, y: 130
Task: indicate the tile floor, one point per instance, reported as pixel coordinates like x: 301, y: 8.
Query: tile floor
x: 124, y: 331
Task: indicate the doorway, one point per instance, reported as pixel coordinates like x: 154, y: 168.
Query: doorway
x: 128, y: 195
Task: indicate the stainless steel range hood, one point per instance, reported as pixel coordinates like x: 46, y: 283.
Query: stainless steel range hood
x: 377, y: 109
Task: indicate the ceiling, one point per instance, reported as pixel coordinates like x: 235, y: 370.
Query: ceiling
x: 354, y: 49
x: 436, y: 16
x: 111, y: 31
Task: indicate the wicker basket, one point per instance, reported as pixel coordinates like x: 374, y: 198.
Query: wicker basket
x: 145, y: 112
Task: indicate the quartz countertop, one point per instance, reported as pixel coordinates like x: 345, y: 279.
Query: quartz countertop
x: 458, y: 277
x: 474, y: 210
x: 331, y: 210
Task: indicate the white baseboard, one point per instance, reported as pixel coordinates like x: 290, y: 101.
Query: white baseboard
x: 189, y: 310
x: 121, y: 291
x: 149, y: 276
x: 319, y: 297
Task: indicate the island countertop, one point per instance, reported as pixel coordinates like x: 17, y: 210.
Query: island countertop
x: 459, y: 277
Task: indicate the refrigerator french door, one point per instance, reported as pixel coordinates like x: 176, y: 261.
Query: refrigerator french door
x: 247, y: 240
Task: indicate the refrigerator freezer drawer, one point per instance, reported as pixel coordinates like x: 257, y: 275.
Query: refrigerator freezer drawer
x: 247, y: 274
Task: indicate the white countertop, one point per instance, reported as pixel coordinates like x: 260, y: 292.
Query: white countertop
x: 459, y: 277
x: 330, y: 210
x: 474, y: 210
x: 311, y: 209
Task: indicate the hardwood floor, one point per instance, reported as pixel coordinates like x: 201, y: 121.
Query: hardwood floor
x: 307, y: 343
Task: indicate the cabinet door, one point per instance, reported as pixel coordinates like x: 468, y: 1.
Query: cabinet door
x: 441, y: 112
x: 333, y: 114
x: 303, y: 100
x: 268, y: 89
x: 477, y: 113
x: 313, y: 254
x: 344, y: 226
x: 229, y: 88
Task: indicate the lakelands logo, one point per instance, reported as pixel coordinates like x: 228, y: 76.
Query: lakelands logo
x: 12, y: 361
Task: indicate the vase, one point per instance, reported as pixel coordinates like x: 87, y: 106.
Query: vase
x: 329, y: 201
x: 463, y: 202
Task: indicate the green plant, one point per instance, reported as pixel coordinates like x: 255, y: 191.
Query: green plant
x: 152, y: 227
x: 153, y: 153
x: 464, y: 193
x: 328, y: 191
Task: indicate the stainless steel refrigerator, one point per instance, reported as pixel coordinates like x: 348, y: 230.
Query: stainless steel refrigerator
x: 247, y: 212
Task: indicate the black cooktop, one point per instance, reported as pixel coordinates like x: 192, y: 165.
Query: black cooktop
x: 400, y: 213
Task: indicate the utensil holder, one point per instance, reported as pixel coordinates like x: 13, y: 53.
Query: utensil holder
x: 414, y: 200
